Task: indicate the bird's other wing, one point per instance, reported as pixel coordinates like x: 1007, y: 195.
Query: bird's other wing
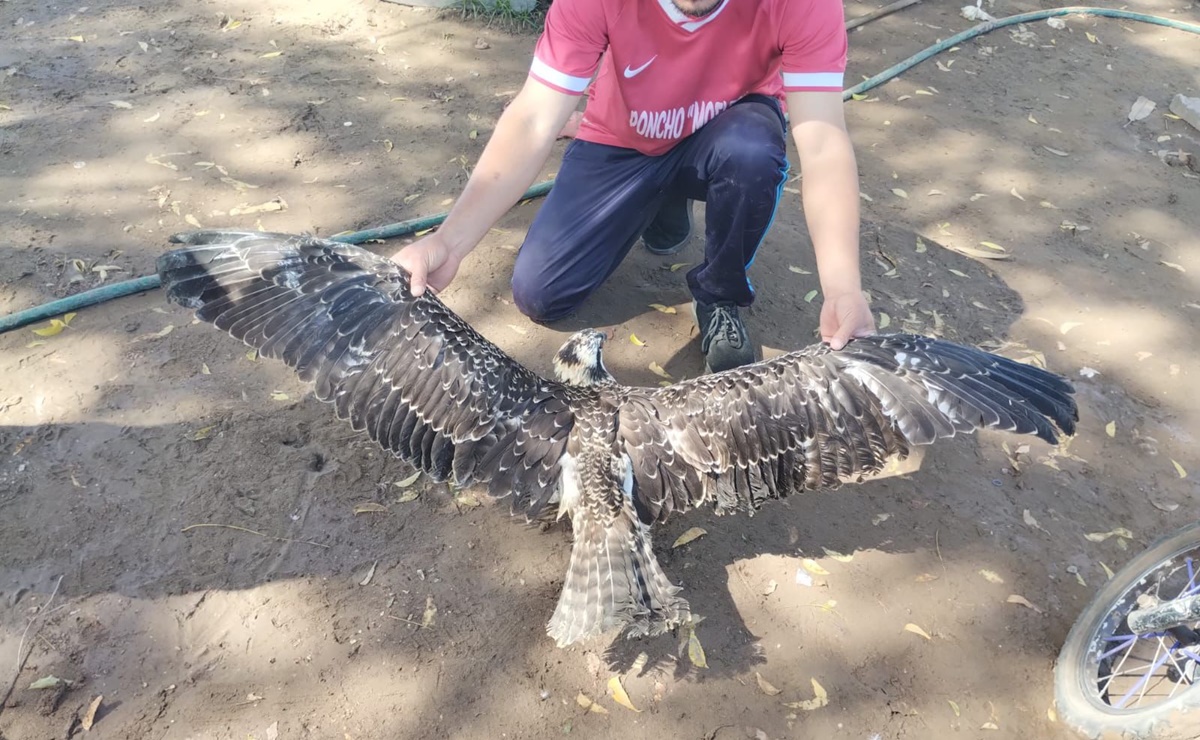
x: 411, y: 373
x: 817, y: 417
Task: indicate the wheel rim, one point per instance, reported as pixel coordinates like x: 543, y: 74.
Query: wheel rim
x: 1127, y: 673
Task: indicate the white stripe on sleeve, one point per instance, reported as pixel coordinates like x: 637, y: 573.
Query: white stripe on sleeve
x: 792, y: 80
x: 545, y: 72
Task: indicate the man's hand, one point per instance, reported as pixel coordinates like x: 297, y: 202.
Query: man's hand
x: 845, y: 316
x: 431, y: 263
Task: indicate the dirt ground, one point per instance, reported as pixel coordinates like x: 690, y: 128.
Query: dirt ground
x: 181, y: 527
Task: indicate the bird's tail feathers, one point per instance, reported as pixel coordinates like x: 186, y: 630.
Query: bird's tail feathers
x: 614, y: 581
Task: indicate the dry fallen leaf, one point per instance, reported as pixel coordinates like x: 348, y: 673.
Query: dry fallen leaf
x: 279, y: 396
x: 662, y: 308
x: 991, y: 576
x: 408, y: 481
x: 586, y: 702
x: 467, y: 500
x: 408, y: 496
x: 910, y: 627
x: 827, y: 606
x: 1069, y: 325
x: 821, y: 699
x: 810, y: 295
x: 765, y: 686
x: 884, y: 320
x: 270, y: 55
x: 954, y: 707
x: 880, y: 519
x: 202, y: 433
x: 989, y: 726
x: 192, y: 220
x: 692, y: 534
x: 1018, y: 599
x: 1172, y: 265
x: 679, y: 266
x: 366, y: 580
x: 900, y: 192
x: 1179, y: 469
x: 124, y: 104
x: 637, y: 342
x: 49, y: 682
x: 813, y: 567
x: 370, y: 507
x: 840, y: 557
x: 89, y: 717
x: 695, y: 650
x: 618, y: 694
x: 799, y: 270
x: 429, y: 613
x: 1141, y: 108
x: 926, y: 578
x: 56, y: 326
x: 657, y: 370
x: 275, y: 204
x: 1111, y: 428
x: 1102, y: 536
x: 1059, y: 152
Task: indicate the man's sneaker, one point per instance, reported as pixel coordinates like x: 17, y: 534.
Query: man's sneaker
x: 723, y: 337
x: 670, y: 229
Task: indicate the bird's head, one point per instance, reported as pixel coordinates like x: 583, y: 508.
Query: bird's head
x: 579, y: 361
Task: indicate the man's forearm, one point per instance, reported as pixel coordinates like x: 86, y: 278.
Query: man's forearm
x: 830, y: 194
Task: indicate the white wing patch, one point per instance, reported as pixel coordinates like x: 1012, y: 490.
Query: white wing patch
x: 568, y: 497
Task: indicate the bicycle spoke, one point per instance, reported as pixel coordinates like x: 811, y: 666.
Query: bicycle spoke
x: 1158, y: 663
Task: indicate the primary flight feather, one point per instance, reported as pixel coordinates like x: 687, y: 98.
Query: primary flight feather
x: 615, y: 459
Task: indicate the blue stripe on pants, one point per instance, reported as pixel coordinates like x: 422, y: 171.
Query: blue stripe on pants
x: 605, y: 196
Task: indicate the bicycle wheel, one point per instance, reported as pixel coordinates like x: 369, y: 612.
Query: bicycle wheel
x: 1112, y: 683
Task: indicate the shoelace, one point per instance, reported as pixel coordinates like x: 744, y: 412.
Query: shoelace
x: 724, y: 324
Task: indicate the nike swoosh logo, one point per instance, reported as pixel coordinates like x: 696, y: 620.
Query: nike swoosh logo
x: 635, y: 72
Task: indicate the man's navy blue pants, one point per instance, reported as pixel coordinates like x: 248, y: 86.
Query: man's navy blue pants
x: 605, y: 196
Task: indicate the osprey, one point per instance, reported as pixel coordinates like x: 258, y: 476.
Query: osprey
x: 613, y: 458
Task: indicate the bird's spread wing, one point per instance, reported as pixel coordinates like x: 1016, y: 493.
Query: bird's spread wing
x: 407, y: 370
x: 813, y: 418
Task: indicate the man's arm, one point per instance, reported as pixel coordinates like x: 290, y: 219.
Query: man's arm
x: 514, y: 154
x: 830, y: 194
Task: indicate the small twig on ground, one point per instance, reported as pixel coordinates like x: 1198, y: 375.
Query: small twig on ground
x: 409, y: 621
x: 876, y: 14
x: 44, y: 611
x: 251, y: 531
